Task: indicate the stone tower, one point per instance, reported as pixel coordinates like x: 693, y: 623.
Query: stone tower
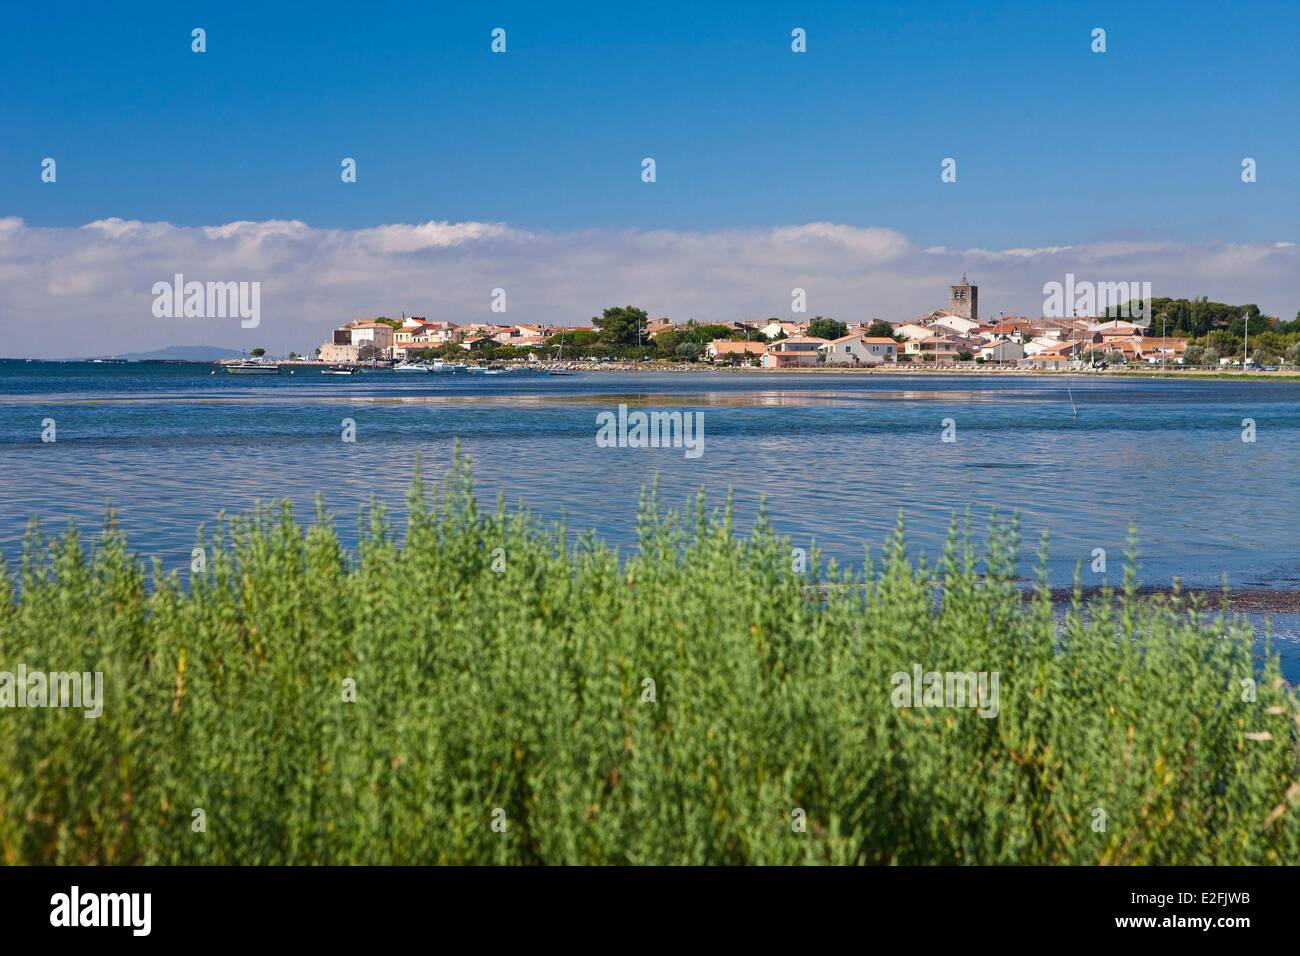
x: 964, y: 300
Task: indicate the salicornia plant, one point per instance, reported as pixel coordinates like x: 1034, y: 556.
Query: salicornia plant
x: 488, y: 688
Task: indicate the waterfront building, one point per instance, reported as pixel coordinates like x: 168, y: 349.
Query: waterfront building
x: 859, y: 350
x: 798, y: 350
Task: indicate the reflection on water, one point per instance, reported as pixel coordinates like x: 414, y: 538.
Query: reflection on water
x: 339, y: 394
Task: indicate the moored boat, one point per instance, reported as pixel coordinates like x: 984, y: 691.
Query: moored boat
x: 253, y: 368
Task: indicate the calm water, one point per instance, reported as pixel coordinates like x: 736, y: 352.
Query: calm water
x: 836, y: 456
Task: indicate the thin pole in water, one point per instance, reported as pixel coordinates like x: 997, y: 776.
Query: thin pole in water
x: 1074, y: 313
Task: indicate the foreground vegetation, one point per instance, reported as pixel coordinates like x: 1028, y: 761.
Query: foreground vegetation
x: 501, y: 673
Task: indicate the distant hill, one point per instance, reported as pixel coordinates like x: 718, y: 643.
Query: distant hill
x: 181, y: 353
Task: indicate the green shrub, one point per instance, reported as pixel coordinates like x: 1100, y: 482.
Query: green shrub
x: 522, y: 689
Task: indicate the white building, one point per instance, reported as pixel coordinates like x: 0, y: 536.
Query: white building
x: 376, y: 335
x: 859, y: 350
x: 774, y: 328
x: 914, y: 331
x: 1042, y: 344
x: 955, y: 323
x: 792, y: 352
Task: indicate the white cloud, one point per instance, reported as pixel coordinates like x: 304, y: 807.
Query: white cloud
x: 87, y: 290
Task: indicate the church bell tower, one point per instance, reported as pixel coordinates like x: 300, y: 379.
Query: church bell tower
x: 963, y: 300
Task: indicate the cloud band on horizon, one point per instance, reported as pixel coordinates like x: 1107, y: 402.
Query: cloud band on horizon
x: 87, y: 290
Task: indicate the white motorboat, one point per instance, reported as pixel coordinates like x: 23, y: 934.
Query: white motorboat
x: 253, y: 368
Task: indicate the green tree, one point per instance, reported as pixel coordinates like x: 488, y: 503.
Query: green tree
x: 666, y: 342
x: 621, y: 325
x: 704, y: 334
x: 258, y: 352
x: 880, y: 329
x: 573, y: 340
x: 1224, y: 342
x: 1196, y: 317
x: 1270, y: 341
x: 1250, y: 320
x: 820, y: 328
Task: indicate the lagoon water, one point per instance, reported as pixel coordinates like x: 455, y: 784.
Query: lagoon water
x: 836, y: 457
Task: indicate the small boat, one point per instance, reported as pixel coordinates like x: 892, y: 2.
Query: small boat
x: 253, y: 368
x: 559, y: 373
x: 410, y: 367
x: 339, y: 370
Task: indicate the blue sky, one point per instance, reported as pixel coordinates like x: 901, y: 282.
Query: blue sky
x: 1054, y: 143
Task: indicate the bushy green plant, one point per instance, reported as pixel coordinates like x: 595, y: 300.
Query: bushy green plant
x: 501, y: 664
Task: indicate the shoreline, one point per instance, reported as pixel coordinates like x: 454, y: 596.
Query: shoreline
x: 1287, y: 375
x: 899, y: 369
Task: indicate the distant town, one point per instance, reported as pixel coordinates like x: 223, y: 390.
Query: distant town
x: 1172, y: 333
